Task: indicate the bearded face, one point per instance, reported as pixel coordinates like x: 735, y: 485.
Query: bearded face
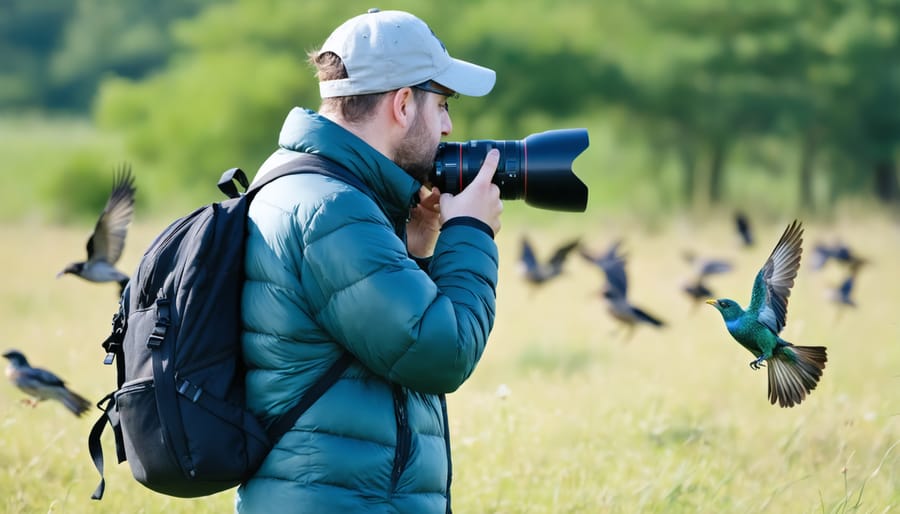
x: 415, y: 153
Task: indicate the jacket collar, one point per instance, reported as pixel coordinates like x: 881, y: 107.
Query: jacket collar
x: 307, y: 131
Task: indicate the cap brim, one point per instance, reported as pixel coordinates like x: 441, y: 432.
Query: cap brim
x: 467, y: 79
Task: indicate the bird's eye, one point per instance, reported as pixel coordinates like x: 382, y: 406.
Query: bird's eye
x: 723, y: 304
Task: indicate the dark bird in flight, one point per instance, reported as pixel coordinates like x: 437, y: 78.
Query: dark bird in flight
x: 105, y: 245
x: 537, y: 272
x: 842, y: 295
x: 742, y: 223
x: 838, y: 252
x: 697, y: 290
x: 696, y: 287
x: 794, y: 371
x: 40, y: 384
x: 615, y: 290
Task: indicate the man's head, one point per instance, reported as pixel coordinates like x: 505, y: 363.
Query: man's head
x: 386, y: 50
x: 375, y: 57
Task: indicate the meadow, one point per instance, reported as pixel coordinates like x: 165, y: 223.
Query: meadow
x: 566, y: 413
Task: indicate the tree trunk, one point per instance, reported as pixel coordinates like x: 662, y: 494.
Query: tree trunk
x: 688, y: 172
x: 887, y: 189
x: 716, y: 170
x: 807, y: 157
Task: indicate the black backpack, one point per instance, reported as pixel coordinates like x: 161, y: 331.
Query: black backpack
x: 178, y: 414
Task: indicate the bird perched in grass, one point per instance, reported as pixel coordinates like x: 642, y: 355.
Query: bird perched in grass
x: 105, y: 245
x: 537, y: 272
x: 615, y: 290
x: 40, y: 384
x: 793, y: 370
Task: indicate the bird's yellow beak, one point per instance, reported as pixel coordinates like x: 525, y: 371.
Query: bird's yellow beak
x: 712, y: 301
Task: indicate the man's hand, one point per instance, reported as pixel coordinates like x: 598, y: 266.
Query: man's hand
x: 424, y: 223
x: 480, y: 199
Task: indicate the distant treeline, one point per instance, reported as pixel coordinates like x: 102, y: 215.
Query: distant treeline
x: 805, y: 90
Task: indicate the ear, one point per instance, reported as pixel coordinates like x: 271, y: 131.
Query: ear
x: 403, y: 106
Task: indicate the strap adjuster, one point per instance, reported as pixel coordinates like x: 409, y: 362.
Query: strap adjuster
x: 190, y: 391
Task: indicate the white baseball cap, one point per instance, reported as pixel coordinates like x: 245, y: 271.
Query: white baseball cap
x: 387, y: 50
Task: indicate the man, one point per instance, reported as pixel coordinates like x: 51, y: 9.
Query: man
x: 400, y: 276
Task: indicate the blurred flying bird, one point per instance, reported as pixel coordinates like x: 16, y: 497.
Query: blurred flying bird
x: 537, y: 272
x: 706, y: 266
x: 794, y: 371
x: 615, y: 291
x: 841, y: 295
x: 696, y: 287
x: 743, y: 227
x: 105, y: 245
x: 697, y: 291
x: 41, y: 384
x: 839, y: 252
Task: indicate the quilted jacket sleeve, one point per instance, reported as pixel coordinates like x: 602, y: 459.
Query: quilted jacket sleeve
x: 426, y: 331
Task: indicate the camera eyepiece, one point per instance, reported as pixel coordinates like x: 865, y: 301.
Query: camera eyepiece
x: 537, y: 169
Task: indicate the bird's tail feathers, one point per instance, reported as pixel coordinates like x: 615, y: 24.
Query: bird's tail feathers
x: 794, y: 371
x: 75, y: 402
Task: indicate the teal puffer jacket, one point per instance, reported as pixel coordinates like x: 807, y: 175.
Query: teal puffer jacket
x: 327, y: 272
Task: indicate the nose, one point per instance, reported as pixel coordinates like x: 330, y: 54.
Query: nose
x: 446, y: 125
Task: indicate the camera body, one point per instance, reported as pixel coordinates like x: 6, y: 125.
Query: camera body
x: 537, y: 169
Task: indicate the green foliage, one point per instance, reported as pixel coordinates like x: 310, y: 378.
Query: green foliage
x: 223, y: 89
x: 38, y: 153
x: 693, y: 104
x: 80, y: 191
x: 29, y: 33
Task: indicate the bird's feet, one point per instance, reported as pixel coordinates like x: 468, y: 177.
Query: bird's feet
x: 758, y: 363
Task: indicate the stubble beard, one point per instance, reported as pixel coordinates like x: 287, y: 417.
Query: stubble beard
x: 415, y: 154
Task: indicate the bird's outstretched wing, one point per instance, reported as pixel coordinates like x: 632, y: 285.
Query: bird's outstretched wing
x: 108, y: 239
x: 529, y: 261
x: 773, y: 283
x: 713, y: 267
x: 559, y: 257
x: 613, y: 265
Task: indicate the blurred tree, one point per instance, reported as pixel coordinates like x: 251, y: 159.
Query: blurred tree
x: 866, y: 132
x: 724, y: 82
x: 824, y: 76
x: 700, y: 79
x: 29, y: 33
x: 126, y: 39
x: 220, y: 102
x: 55, y: 52
x: 238, y: 70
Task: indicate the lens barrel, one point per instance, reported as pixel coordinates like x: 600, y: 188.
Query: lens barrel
x: 537, y: 169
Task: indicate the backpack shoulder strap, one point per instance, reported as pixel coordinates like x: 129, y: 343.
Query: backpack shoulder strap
x: 284, y: 422
x: 312, y: 163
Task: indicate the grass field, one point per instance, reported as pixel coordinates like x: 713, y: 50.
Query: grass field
x: 564, y: 414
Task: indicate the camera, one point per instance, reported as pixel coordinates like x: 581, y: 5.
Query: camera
x: 537, y: 169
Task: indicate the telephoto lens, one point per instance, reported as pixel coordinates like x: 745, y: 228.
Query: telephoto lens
x: 537, y: 169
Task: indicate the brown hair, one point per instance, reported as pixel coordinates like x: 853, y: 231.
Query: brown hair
x: 355, y: 108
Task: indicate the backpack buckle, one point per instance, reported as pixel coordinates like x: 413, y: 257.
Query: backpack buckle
x: 189, y: 390
x: 162, y: 323
x: 157, y: 336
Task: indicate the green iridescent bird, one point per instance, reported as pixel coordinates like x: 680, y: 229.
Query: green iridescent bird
x: 794, y: 371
